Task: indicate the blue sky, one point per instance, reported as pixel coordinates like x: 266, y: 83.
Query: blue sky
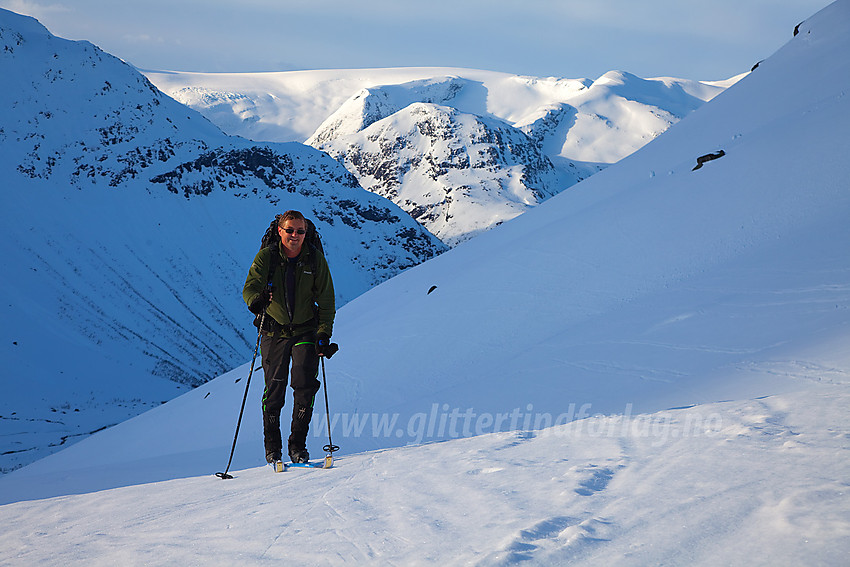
x: 694, y: 39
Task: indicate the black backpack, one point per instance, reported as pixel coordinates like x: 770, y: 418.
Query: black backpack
x: 271, y: 239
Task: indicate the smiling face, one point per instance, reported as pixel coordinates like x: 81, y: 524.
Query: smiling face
x: 292, y: 236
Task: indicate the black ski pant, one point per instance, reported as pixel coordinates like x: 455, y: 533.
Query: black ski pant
x: 278, y: 353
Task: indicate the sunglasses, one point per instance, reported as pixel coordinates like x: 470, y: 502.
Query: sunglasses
x: 290, y: 230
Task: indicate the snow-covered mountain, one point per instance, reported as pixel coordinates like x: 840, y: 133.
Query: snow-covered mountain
x: 651, y: 368
x: 623, y: 112
x: 457, y: 174
x: 460, y: 150
x: 128, y: 224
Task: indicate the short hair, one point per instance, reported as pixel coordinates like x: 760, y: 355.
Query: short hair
x: 289, y: 215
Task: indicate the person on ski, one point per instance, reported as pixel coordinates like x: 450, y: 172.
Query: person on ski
x: 299, y: 314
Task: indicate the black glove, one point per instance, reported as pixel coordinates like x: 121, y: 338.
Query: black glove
x: 324, y: 347
x: 259, y: 305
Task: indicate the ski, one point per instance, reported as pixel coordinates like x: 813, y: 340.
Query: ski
x: 277, y: 466
x: 326, y: 464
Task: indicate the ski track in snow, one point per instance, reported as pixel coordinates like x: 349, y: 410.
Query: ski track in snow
x: 582, y: 493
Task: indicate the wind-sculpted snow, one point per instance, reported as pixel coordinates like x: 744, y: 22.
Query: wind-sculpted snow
x: 129, y: 222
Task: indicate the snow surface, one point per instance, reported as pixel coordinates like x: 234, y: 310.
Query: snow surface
x: 652, y: 368
x: 752, y: 483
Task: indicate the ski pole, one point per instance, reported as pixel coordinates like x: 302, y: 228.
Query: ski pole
x: 330, y: 448
x: 224, y: 475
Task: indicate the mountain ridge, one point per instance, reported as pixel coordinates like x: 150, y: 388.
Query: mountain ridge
x: 576, y: 125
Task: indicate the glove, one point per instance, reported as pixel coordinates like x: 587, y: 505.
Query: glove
x: 259, y: 305
x: 324, y: 347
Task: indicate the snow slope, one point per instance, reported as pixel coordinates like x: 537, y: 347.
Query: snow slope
x: 128, y: 221
x: 760, y: 485
x: 704, y: 314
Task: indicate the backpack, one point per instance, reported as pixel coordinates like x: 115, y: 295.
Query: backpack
x: 271, y: 239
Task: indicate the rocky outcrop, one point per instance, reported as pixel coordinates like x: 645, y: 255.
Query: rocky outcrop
x: 455, y: 173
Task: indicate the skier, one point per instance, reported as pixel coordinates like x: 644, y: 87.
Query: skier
x: 299, y: 318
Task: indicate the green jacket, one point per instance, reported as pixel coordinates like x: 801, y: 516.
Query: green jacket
x: 315, y: 306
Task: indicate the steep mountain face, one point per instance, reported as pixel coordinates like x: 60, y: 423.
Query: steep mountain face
x: 455, y: 173
x: 580, y: 126
x: 128, y: 225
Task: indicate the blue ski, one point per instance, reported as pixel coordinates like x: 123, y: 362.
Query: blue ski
x: 326, y: 464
